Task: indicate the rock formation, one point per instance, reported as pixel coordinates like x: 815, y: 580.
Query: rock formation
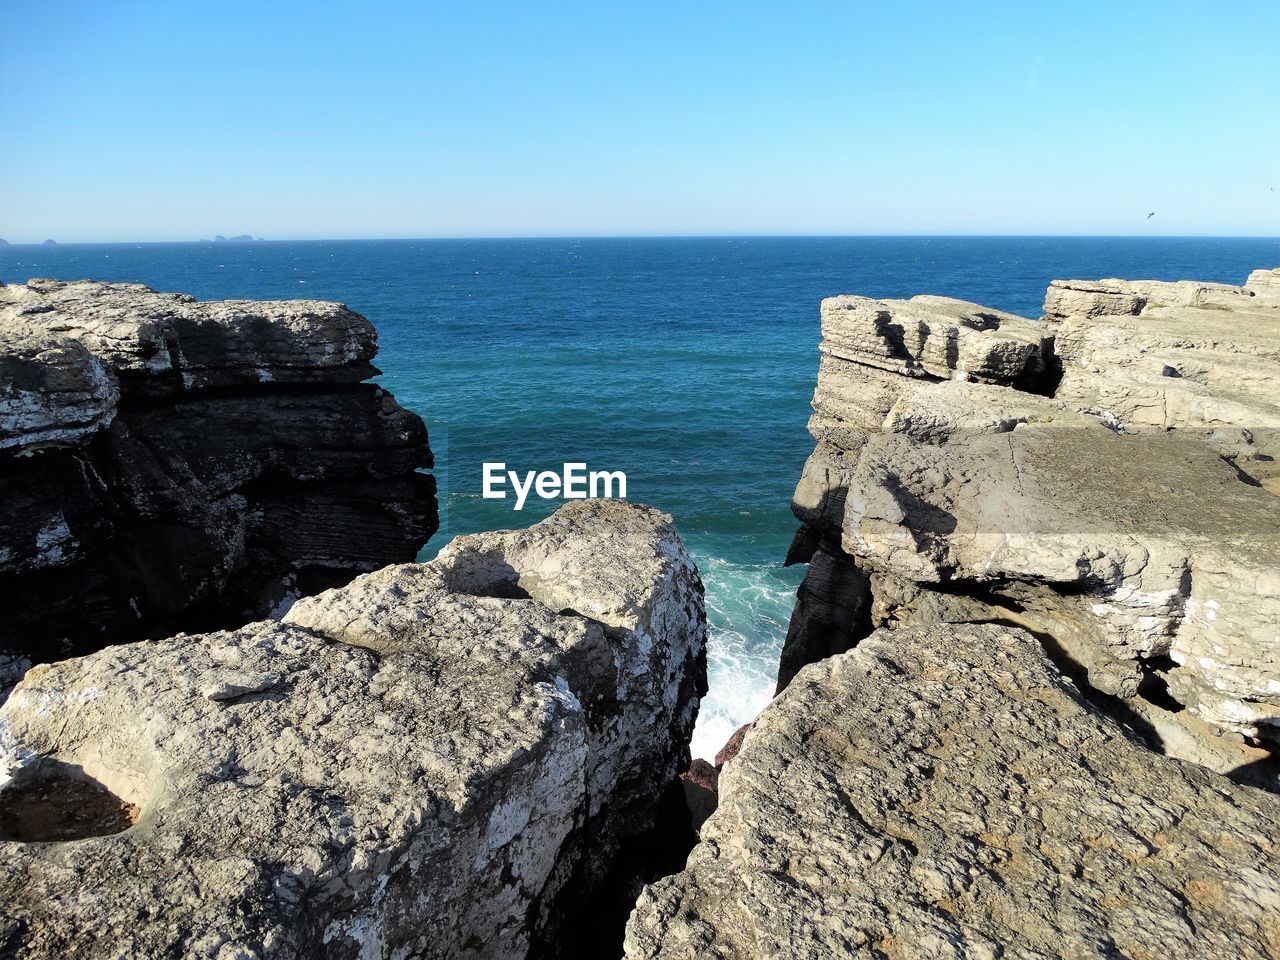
x: 1155, y: 356
x: 170, y: 464
x: 1104, y: 478
x: 943, y: 791
x: 427, y: 762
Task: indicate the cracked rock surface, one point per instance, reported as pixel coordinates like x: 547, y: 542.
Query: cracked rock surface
x: 170, y: 464
x: 1153, y: 356
x: 942, y: 791
x: 1154, y: 540
x: 423, y: 763
x: 1116, y: 495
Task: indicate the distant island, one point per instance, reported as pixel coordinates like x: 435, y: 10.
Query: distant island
x: 242, y: 238
x: 50, y: 243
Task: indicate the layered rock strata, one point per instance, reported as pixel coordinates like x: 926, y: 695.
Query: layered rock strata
x: 167, y: 463
x: 1144, y: 355
x: 943, y: 791
x: 424, y: 763
x: 1103, y: 478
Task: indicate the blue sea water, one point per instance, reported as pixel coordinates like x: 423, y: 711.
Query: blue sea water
x: 687, y: 363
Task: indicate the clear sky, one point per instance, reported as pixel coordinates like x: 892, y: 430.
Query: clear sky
x: 181, y: 119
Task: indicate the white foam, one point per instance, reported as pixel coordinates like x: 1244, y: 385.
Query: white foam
x: 748, y: 607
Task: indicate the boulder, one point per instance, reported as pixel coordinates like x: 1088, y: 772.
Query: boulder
x: 175, y: 465
x: 944, y: 791
x: 432, y: 761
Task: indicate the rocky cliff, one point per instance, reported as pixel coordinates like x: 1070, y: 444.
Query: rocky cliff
x: 171, y: 464
x: 432, y: 761
x: 944, y: 791
x: 1104, y: 477
x: 1031, y: 686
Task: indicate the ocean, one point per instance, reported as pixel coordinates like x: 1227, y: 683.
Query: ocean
x: 686, y: 363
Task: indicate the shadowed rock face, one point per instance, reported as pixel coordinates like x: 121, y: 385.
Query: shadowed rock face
x: 943, y: 791
x: 1152, y: 542
x: 432, y: 761
x: 1114, y: 493
x: 170, y: 464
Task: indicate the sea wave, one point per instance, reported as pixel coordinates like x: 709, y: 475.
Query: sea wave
x: 748, y: 607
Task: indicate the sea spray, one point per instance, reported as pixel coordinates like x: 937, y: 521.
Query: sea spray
x: 748, y: 608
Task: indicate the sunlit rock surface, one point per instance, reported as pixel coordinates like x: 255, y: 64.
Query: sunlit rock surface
x: 432, y: 761
x: 1116, y: 495
x: 943, y: 791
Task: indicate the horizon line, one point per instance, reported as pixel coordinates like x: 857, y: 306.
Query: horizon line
x: 653, y: 236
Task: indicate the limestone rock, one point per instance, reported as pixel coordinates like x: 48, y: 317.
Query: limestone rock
x: 168, y: 464
x: 853, y: 402
x: 1149, y: 355
x: 954, y: 411
x: 935, y: 337
x: 1154, y: 537
x: 831, y: 613
x: 428, y: 762
x: 52, y: 391
x: 1264, y: 284
x: 944, y: 792
x: 159, y: 342
x: 1146, y: 561
x: 1111, y: 297
x: 824, y: 483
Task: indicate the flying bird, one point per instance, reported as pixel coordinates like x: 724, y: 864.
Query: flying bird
x: 1151, y: 214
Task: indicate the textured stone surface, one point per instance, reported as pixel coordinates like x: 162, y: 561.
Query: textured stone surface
x: 853, y: 402
x: 52, y: 391
x: 1264, y: 284
x: 11, y: 670
x: 933, y: 336
x: 157, y: 342
x: 831, y: 612
x: 428, y: 762
x: 168, y: 464
x: 733, y: 746
x: 1149, y: 355
x: 1121, y: 505
x: 944, y: 792
x: 1153, y: 539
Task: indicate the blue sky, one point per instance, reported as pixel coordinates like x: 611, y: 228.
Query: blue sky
x: 179, y: 120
